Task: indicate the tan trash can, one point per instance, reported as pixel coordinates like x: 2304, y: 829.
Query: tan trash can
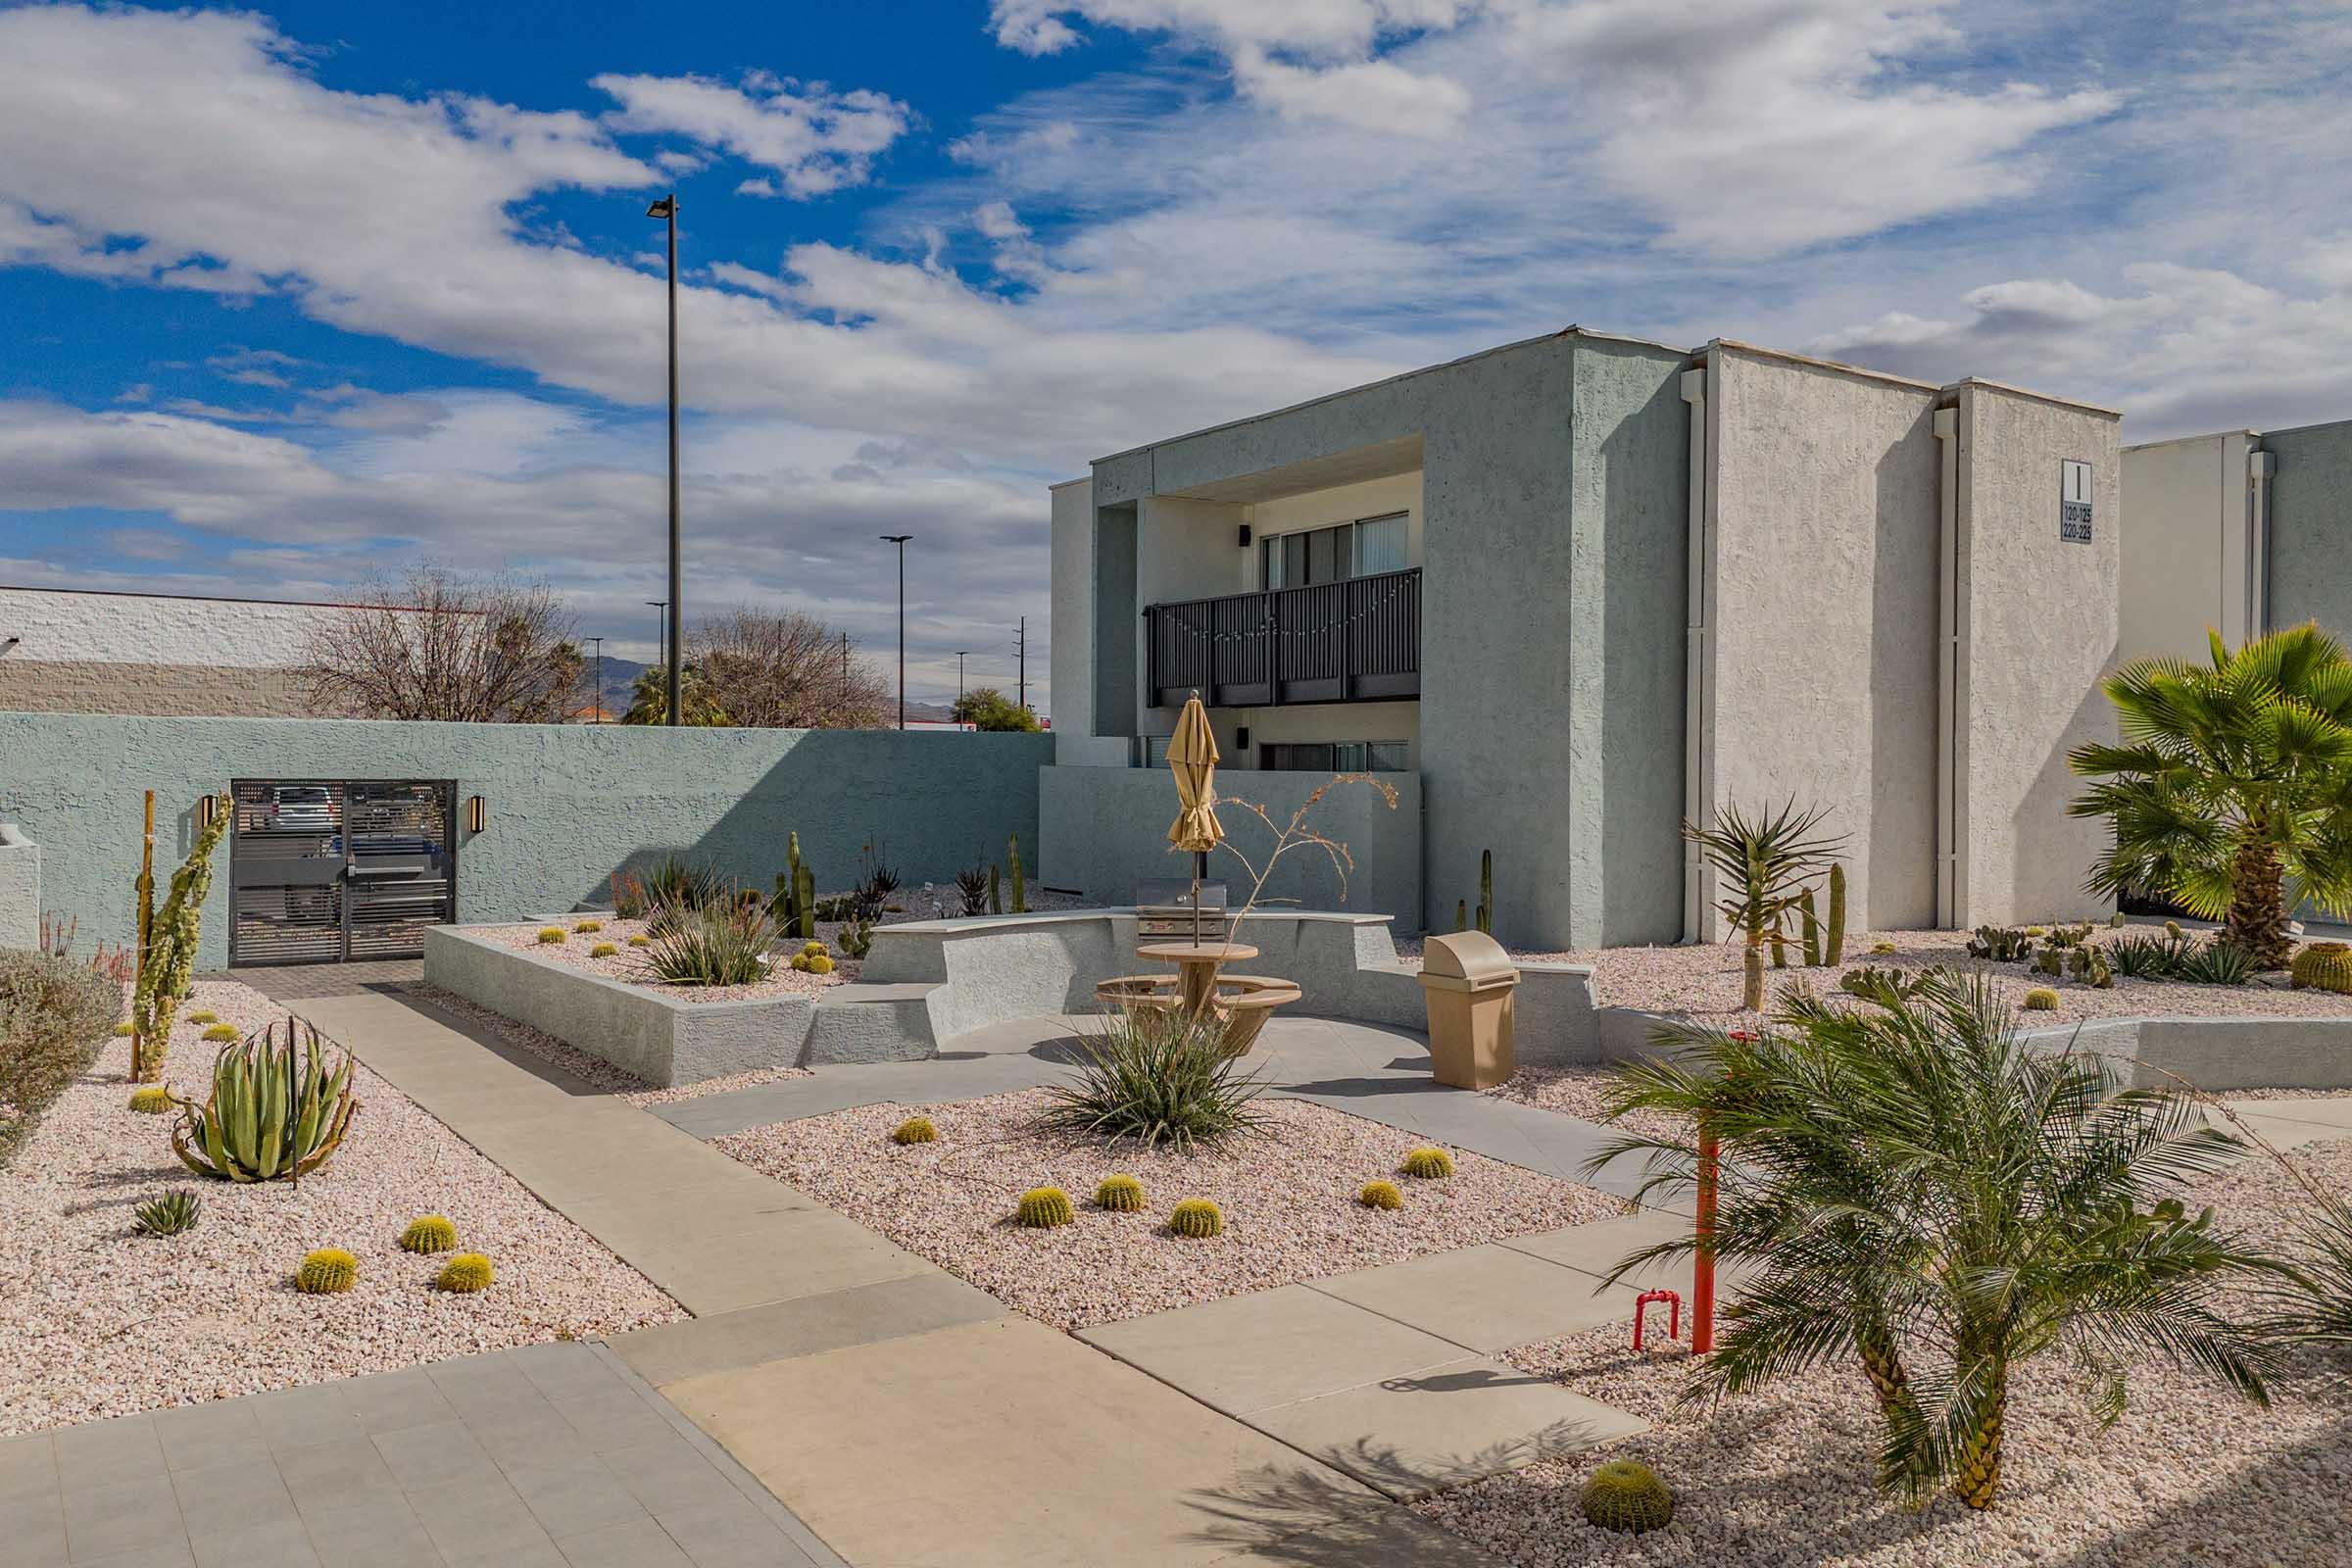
x: 1467, y: 981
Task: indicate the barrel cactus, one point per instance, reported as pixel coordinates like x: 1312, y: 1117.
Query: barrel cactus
x: 151, y: 1100
x: 464, y: 1274
x: 550, y: 936
x: 222, y: 1032
x: 914, y: 1130
x: 587, y: 927
x: 1122, y: 1194
x: 122, y: 1030
x: 2323, y: 967
x: 1626, y: 1494
x: 2041, y: 999
x: 328, y: 1271
x: 1044, y: 1208
x: 1379, y: 1194
x: 1197, y: 1217
x: 603, y: 950
x: 1428, y: 1163
x: 641, y: 940
x: 202, y: 1017
x: 176, y: 1211
x: 428, y: 1233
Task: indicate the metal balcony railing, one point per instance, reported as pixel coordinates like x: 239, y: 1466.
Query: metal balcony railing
x: 1334, y: 642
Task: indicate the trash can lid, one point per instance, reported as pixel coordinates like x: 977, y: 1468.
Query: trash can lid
x: 1466, y: 960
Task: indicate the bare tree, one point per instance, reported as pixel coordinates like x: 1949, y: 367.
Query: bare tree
x: 437, y: 642
x: 770, y: 670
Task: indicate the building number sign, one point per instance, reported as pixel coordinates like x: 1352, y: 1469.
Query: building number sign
x: 2074, y: 502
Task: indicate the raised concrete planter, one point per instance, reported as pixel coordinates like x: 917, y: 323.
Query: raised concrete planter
x: 662, y: 1040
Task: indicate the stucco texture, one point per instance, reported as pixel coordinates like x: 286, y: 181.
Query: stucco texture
x: 2039, y: 627
x: 1825, y: 520
x: 2311, y: 522
x: 567, y: 803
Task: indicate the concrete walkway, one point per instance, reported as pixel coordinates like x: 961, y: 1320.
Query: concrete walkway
x: 540, y: 1458
x: 904, y: 1417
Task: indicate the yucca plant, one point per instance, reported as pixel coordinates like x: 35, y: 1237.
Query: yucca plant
x: 720, y: 944
x: 1762, y: 864
x: 1157, y: 1077
x: 685, y: 884
x: 2230, y: 791
x: 275, y: 1112
x: 1910, y: 1187
x: 2313, y: 1302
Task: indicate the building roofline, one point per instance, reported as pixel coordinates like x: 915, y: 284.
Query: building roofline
x: 1570, y: 331
x: 1815, y: 362
x: 2037, y: 397
x: 2298, y: 429
x: 2185, y: 440
x: 211, y: 599
x: 1064, y: 484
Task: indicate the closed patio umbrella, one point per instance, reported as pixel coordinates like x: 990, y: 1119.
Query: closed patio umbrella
x: 1193, y: 758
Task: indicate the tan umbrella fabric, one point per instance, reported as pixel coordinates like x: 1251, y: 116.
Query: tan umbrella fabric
x: 1193, y: 757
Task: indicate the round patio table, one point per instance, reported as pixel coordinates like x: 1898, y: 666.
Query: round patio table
x: 1197, y: 966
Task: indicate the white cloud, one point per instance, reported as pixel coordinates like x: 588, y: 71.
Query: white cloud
x: 815, y: 140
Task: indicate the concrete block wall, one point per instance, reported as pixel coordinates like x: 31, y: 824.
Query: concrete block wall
x: 567, y: 803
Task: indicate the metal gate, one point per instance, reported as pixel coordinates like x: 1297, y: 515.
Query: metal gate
x: 327, y: 870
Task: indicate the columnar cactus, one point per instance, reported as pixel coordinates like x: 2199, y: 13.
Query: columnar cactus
x: 1044, y: 1208
x: 1812, y: 927
x: 1626, y: 1494
x: 328, y: 1271
x: 996, y: 890
x: 1834, y: 953
x: 1486, y: 891
x: 1020, y: 882
x: 1121, y: 1195
x: 804, y: 902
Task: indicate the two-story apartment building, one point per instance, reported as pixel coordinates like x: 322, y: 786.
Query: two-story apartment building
x: 1571, y: 591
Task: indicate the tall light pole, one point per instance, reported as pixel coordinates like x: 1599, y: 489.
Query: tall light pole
x: 600, y: 678
x: 899, y: 539
x: 960, y: 652
x: 660, y: 623
x: 668, y: 207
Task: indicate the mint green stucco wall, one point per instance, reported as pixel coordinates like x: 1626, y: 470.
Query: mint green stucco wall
x: 567, y: 803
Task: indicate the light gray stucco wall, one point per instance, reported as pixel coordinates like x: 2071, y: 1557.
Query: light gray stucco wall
x: 2311, y: 526
x: 567, y: 803
x: 21, y: 889
x: 2039, y: 627
x: 1106, y: 829
x: 2184, y: 542
x: 1826, y: 515
x: 1072, y: 647
x: 1553, y: 493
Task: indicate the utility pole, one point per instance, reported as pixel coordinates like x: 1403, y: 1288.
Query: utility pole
x: 960, y: 652
x: 661, y: 625
x: 668, y: 207
x: 899, y: 539
x: 1020, y: 644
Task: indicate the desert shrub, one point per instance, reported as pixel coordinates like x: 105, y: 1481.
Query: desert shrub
x: 628, y: 895
x: 55, y: 1014
x: 686, y: 884
x: 1157, y: 1078
x: 718, y: 944
x: 2147, y: 958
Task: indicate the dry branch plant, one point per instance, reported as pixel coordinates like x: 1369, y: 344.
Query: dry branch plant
x: 440, y: 644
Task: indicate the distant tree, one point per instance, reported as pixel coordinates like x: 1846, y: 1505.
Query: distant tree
x: 648, y: 700
x: 987, y: 707
x: 440, y: 644
x: 769, y: 669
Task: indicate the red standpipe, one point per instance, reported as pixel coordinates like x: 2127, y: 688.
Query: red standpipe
x: 1702, y: 1272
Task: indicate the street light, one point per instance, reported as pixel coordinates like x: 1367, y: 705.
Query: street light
x: 660, y: 623
x: 899, y: 539
x: 668, y: 207
x: 960, y: 652
x: 600, y: 678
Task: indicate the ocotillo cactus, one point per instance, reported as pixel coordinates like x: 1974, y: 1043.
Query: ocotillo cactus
x: 1811, y: 928
x: 1834, y: 952
x: 1486, y: 891
x: 1020, y: 884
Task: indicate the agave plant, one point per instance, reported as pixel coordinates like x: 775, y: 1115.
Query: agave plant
x: 972, y: 884
x: 1159, y: 1077
x: 276, y: 1111
x: 1762, y: 864
x: 1912, y: 1188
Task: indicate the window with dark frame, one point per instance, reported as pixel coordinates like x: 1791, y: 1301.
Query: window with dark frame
x: 1363, y: 548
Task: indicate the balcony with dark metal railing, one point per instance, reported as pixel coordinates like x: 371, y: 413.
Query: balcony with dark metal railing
x: 1334, y: 642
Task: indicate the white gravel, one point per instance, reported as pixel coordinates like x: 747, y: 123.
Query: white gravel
x: 1703, y: 981
x: 99, y: 1320
x: 1288, y: 1196
x: 1579, y: 1092
x: 594, y: 1070
x: 2190, y: 1476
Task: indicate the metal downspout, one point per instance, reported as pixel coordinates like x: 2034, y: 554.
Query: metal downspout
x: 2260, y: 466
x: 1948, y: 670
x: 1698, y: 729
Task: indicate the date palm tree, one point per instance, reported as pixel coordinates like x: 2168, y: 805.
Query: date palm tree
x: 1906, y: 1185
x: 2230, y: 790
x: 1762, y: 862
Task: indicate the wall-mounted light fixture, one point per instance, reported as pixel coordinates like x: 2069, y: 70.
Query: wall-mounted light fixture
x: 477, y: 814
x: 208, y: 809
x: 1245, y: 536
x: 1241, y: 737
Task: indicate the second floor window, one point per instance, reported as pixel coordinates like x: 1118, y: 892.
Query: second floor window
x: 1335, y: 554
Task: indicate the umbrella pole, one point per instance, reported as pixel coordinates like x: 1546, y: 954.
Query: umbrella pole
x: 1199, y: 869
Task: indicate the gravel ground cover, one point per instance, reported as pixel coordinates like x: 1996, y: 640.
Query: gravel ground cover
x: 594, y: 1070
x: 1702, y: 982
x: 2189, y: 1476
x: 99, y: 1320
x: 1288, y: 1196
x: 1579, y: 1092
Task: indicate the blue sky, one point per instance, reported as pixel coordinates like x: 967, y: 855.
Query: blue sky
x: 304, y: 291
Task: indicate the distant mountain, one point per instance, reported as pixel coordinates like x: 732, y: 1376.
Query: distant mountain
x: 620, y: 682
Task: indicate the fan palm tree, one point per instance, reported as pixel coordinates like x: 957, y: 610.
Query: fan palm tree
x: 1763, y: 864
x: 1911, y: 1187
x: 2231, y: 788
